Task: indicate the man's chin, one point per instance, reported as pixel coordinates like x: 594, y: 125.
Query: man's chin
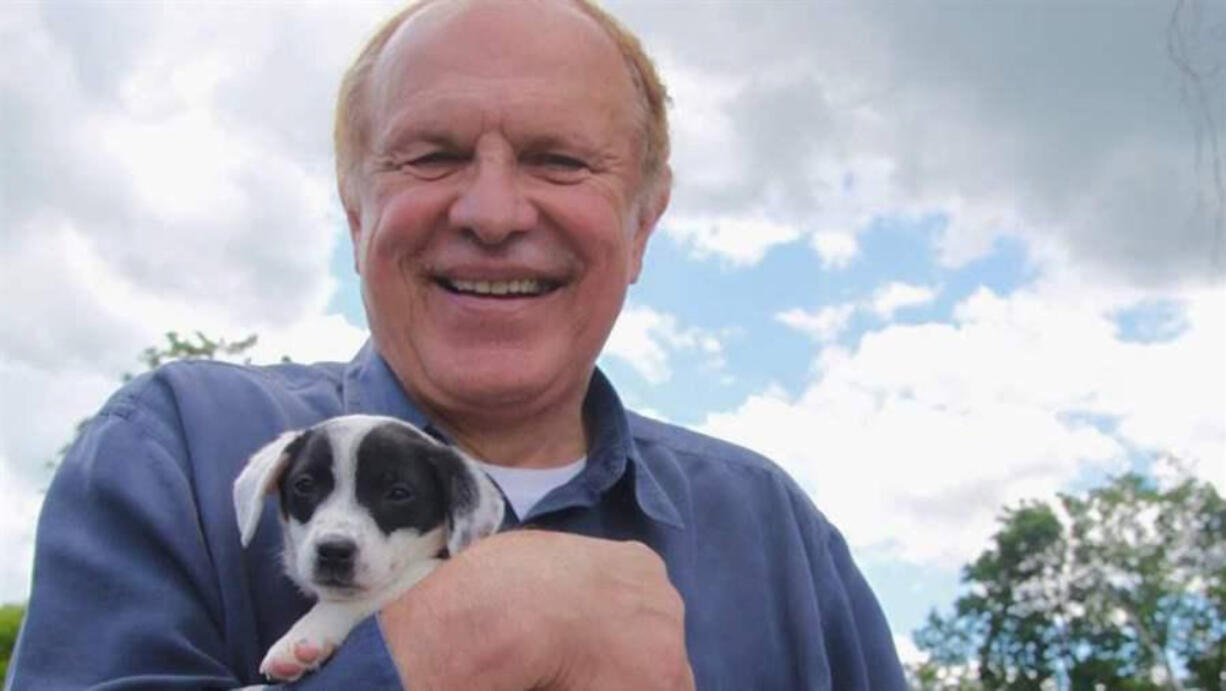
x: 505, y: 388
x: 492, y: 379
x: 509, y: 395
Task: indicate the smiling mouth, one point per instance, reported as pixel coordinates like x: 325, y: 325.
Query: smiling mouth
x: 521, y: 288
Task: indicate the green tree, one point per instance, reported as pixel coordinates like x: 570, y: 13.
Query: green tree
x: 1123, y: 587
x: 10, y: 623
x: 200, y: 348
x: 1005, y: 633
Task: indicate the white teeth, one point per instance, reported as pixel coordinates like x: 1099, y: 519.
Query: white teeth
x: 529, y: 286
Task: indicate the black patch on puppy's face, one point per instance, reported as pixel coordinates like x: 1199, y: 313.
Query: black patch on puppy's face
x: 308, y: 480
x: 398, y: 479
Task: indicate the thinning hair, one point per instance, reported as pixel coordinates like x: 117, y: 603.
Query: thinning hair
x: 352, y: 130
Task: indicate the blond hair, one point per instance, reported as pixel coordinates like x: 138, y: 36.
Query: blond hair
x: 351, y: 134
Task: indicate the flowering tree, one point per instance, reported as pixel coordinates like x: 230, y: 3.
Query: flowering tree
x: 1123, y: 587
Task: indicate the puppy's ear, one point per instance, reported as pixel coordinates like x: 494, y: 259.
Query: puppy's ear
x: 475, y: 506
x: 259, y: 476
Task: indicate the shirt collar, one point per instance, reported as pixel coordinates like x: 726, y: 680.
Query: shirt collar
x: 372, y: 388
x: 612, y: 450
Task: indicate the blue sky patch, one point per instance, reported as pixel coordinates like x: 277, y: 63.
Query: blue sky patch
x: 347, y: 300
x: 1151, y: 321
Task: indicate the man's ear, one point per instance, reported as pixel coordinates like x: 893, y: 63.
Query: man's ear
x: 651, y: 208
x: 258, y: 478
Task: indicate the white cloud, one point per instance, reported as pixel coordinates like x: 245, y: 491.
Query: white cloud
x: 836, y: 249
x: 323, y: 338
x: 824, y: 326
x: 829, y: 322
x: 913, y: 441
x: 700, y: 125
x: 908, y: 653
x: 647, y: 339
x: 22, y: 502
x: 163, y: 170
x: 143, y: 162
x: 1070, y: 126
x: 742, y: 240
x: 897, y: 295
x: 1172, y: 395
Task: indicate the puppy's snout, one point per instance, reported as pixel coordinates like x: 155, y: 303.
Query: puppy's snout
x: 335, y: 554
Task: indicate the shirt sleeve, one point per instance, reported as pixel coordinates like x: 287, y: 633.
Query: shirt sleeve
x: 859, y: 646
x: 126, y: 592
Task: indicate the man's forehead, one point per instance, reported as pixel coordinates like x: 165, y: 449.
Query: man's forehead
x: 476, y: 36
x: 545, y: 15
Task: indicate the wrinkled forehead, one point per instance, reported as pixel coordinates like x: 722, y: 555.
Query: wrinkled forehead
x: 551, y: 42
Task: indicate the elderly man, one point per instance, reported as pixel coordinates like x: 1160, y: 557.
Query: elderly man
x: 502, y: 165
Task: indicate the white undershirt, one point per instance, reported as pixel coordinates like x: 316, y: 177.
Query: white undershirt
x: 524, y: 487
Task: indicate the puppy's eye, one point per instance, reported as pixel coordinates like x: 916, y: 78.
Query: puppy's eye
x: 398, y: 494
x: 304, y: 485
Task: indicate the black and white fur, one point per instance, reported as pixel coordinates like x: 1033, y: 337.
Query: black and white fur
x: 369, y: 505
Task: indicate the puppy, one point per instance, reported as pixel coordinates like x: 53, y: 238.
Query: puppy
x: 369, y: 506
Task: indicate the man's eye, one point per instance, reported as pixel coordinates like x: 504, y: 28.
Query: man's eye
x: 436, y: 158
x: 432, y: 165
x: 560, y: 161
x: 559, y: 168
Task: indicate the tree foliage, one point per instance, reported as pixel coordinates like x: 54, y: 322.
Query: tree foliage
x: 1123, y: 587
x: 200, y: 348
x: 10, y: 624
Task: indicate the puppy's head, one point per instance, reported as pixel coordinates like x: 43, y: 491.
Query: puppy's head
x: 361, y: 497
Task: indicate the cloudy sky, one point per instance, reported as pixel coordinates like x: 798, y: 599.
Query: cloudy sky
x: 933, y: 259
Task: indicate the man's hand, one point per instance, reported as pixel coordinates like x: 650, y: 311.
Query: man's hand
x: 539, y: 610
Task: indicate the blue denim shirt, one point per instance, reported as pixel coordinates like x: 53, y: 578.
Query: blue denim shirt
x: 140, y: 580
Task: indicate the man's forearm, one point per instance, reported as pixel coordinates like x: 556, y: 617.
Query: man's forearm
x: 542, y: 610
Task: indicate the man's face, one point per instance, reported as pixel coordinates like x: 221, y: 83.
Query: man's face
x: 500, y: 218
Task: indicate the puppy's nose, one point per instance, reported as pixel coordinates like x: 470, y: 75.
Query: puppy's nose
x: 334, y: 553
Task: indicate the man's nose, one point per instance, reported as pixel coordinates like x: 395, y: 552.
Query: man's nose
x: 491, y: 206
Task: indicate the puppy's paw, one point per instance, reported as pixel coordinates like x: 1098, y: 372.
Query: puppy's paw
x: 298, y: 652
